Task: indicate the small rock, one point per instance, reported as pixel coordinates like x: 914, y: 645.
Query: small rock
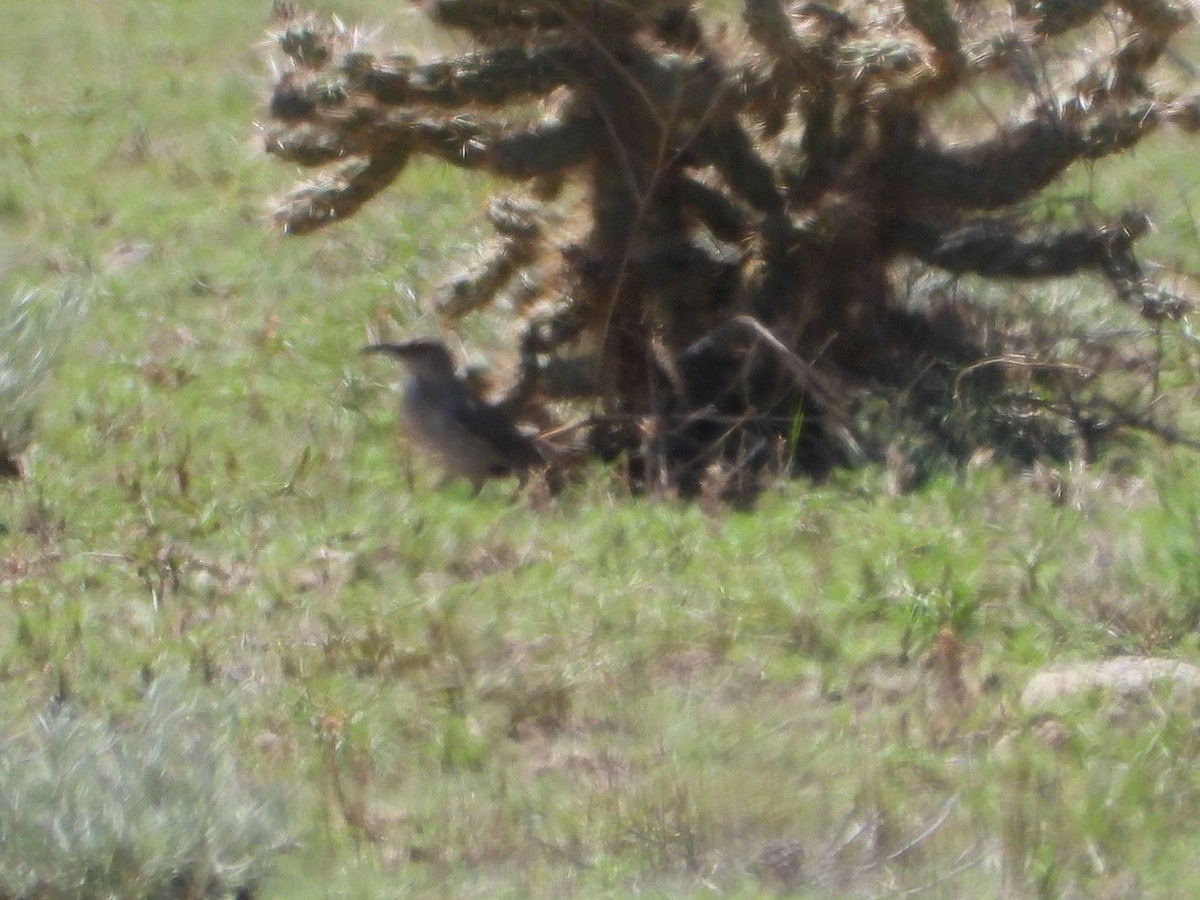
x: 1123, y: 678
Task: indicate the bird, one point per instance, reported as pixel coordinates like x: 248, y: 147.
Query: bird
x: 468, y: 436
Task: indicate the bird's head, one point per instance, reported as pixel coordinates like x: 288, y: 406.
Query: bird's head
x: 425, y: 357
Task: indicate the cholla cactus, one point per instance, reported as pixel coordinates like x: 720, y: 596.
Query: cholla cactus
x: 32, y: 331
x: 152, y: 807
x: 714, y: 223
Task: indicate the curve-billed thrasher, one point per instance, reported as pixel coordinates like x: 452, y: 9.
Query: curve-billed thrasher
x: 467, y: 435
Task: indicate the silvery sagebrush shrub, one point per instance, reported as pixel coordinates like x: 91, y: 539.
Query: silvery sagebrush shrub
x: 34, y: 326
x: 153, y: 804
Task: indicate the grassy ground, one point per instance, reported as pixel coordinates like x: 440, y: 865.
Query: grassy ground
x: 602, y: 696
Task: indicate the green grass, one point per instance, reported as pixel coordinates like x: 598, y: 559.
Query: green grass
x: 605, y: 696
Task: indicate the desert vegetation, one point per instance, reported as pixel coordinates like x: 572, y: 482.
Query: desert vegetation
x: 153, y: 807
x: 734, y: 231
x: 220, y: 560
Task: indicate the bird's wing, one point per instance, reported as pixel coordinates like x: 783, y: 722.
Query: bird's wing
x: 484, y: 423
